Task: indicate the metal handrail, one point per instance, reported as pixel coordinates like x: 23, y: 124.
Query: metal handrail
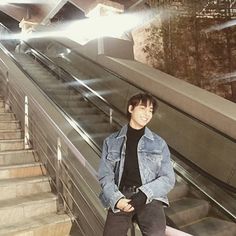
x: 68, y: 143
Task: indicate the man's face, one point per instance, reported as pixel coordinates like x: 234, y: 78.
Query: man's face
x: 140, y: 115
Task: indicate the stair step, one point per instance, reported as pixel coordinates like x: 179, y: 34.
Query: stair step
x: 17, y: 157
x: 12, y: 188
x: 20, y: 208
x: 179, y: 191
x: 104, y: 127
x: 2, y: 109
x: 99, y: 138
x: 1, y: 103
x: 11, y: 144
x: 54, y: 92
x: 11, y: 134
x: 5, y: 116
x: 186, y: 210
x: 92, y: 118
x: 73, y: 103
x: 86, y: 110
x: 55, y: 86
x: 47, y: 225
x: 21, y: 170
x: 4, y: 125
x: 67, y: 96
x: 211, y: 227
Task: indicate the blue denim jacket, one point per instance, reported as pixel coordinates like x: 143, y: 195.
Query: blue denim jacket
x: 155, y: 167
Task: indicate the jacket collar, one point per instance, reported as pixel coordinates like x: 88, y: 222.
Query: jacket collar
x: 122, y: 133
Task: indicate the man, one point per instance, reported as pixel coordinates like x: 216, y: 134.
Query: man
x: 135, y: 173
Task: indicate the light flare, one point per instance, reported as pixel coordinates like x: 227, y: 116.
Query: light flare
x: 5, y: 2
x: 83, y: 31
x: 218, y: 27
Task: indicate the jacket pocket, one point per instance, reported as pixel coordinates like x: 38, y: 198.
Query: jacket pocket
x: 153, y: 161
x: 154, y: 156
x: 113, y: 156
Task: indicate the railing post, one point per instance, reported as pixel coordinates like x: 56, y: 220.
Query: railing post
x: 60, y: 202
x: 26, y: 128
x: 110, y: 115
x: 7, y: 95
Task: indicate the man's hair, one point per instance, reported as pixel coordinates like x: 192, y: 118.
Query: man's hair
x: 143, y: 99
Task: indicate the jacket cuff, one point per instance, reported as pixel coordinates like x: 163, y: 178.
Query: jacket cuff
x: 148, y: 193
x: 117, y: 196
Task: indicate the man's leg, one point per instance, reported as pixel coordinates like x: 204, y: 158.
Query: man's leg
x: 151, y: 219
x: 117, y: 224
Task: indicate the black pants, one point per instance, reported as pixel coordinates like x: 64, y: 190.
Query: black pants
x: 150, y: 219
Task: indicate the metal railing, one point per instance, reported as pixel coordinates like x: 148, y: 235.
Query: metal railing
x: 72, y: 176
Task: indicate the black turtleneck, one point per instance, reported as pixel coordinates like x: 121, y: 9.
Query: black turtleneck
x: 131, y: 174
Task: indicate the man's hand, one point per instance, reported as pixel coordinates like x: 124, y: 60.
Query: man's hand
x: 138, y: 200
x: 123, y: 205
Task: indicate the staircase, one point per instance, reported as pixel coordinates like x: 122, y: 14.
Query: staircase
x: 195, y: 215
x: 91, y: 119
x: 27, y: 205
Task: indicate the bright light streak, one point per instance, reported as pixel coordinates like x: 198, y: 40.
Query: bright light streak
x: 5, y: 2
x: 229, y: 77
x: 221, y: 26
x: 107, y: 26
x: 88, y: 29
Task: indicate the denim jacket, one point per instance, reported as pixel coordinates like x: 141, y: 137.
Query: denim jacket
x: 155, y: 167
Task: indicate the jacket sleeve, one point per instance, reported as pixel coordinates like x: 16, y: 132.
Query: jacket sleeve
x: 165, y: 181
x: 106, y: 177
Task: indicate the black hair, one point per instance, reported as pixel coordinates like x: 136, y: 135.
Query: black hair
x: 144, y: 99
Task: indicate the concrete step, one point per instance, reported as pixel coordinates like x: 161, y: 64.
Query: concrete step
x: 69, y: 96
x: 12, y: 188
x: 73, y: 103
x: 21, y: 208
x: 11, y: 144
x: 11, y: 134
x: 6, y: 116
x: 92, y: 118
x: 6, y: 125
x: 56, y: 86
x: 86, y: 110
x: 1, y: 103
x: 104, y: 127
x: 47, y: 225
x: 187, y: 210
x: 17, y: 157
x: 55, y: 92
x: 180, y: 190
x: 211, y: 227
x: 2, y: 109
x: 99, y: 138
x: 21, y: 170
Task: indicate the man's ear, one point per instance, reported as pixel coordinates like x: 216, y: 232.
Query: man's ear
x: 130, y: 108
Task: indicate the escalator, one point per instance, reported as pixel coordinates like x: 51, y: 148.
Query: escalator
x: 197, y: 203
